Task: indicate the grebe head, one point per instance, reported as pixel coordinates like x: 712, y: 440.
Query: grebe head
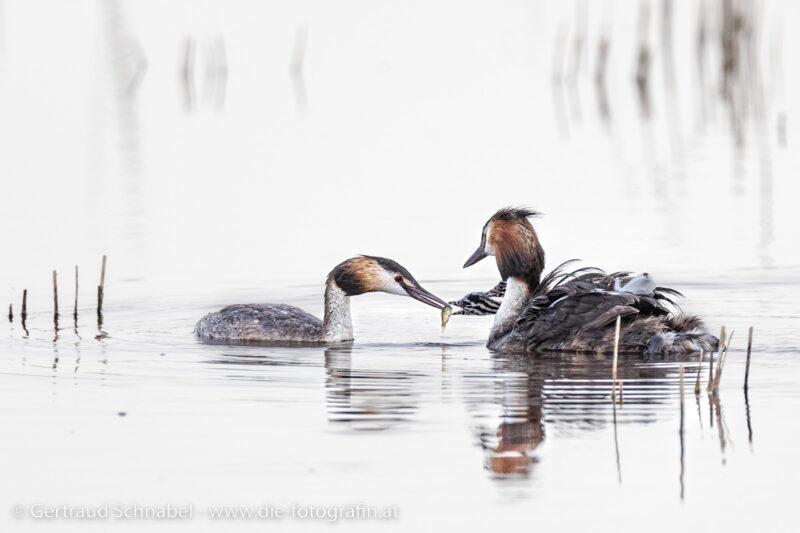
x: 509, y: 236
x: 377, y: 274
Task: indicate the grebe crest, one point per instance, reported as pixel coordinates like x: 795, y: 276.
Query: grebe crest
x: 281, y: 323
x: 509, y: 236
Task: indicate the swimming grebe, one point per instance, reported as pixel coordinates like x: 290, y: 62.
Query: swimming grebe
x: 576, y: 311
x: 280, y: 323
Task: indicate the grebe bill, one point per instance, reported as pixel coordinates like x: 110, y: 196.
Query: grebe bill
x: 284, y: 324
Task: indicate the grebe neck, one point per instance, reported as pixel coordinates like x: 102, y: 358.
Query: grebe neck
x: 337, y: 325
x: 517, y: 295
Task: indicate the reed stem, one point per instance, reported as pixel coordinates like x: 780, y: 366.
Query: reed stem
x: 614, y: 367
x: 11, y: 312
x: 747, y: 365
x: 721, y: 363
x: 24, y: 304
x: 75, y: 309
x: 710, y: 366
x: 101, y: 287
x: 699, y: 371
x: 719, y: 357
x: 55, y: 294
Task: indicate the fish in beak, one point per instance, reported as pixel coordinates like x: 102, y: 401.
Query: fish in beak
x: 446, y: 312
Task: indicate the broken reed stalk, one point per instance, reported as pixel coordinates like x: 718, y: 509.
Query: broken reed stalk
x: 621, y: 386
x: 11, y: 312
x: 747, y: 364
x: 24, y: 304
x: 710, y: 366
x: 55, y: 294
x: 699, y: 371
x: 719, y: 356
x: 75, y: 309
x: 721, y: 363
x: 614, y: 368
x: 100, y: 288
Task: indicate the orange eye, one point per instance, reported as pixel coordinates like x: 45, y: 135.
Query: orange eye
x: 398, y: 279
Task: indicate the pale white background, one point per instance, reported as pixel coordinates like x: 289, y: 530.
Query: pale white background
x: 421, y: 119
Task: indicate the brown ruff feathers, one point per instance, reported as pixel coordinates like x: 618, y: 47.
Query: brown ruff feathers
x: 516, y: 246
x: 354, y: 275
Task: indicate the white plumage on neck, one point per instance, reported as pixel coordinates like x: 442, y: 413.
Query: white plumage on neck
x: 337, y: 324
x: 517, y: 294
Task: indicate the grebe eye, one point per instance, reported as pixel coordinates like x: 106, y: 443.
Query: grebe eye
x: 398, y: 279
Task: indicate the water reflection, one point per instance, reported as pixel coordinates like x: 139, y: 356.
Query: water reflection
x: 603, y: 105
x: 187, y: 74
x: 296, y: 70
x: 616, y: 442
x: 101, y: 333
x: 643, y: 61
x: 749, y: 425
x: 715, y: 412
x: 367, y: 398
x: 514, y: 402
x: 216, y: 71
x: 683, y: 461
x: 509, y: 447
x: 570, y: 392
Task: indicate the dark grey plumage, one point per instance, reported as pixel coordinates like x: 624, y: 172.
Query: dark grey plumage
x: 576, y: 312
x: 261, y: 323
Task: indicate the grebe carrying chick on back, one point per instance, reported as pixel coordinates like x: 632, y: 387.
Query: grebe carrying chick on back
x: 281, y: 323
x: 573, y: 311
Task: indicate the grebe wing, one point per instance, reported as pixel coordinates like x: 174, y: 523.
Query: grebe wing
x: 560, y: 283
x: 258, y: 322
x: 572, y: 313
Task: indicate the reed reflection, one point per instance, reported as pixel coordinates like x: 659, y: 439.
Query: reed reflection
x: 296, y: 70
x: 749, y: 425
x: 101, y: 333
x: 715, y: 412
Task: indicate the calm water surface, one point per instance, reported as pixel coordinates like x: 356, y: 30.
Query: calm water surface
x: 302, y: 134
x: 433, y: 424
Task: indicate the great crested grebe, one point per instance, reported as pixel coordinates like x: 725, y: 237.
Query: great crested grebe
x: 281, y: 323
x: 576, y: 311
